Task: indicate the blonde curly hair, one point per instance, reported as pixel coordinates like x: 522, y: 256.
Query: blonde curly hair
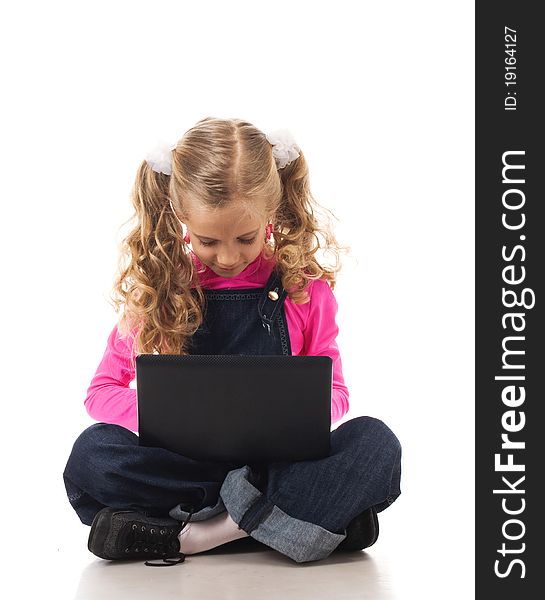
x: 217, y: 162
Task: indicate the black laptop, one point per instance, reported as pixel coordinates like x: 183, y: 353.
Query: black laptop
x: 235, y: 408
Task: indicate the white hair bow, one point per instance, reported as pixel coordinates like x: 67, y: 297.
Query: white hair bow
x: 160, y: 157
x: 285, y: 149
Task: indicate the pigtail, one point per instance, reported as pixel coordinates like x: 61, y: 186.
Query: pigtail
x: 304, y: 234
x: 155, y: 273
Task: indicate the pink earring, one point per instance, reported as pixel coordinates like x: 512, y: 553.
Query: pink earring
x: 186, y: 237
x: 268, y: 230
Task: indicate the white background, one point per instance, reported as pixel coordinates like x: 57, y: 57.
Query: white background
x: 379, y: 96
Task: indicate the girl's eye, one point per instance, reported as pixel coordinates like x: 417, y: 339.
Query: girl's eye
x: 243, y: 241
x: 249, y: 241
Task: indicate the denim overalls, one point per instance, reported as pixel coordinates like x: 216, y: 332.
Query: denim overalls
x: 300, y: 509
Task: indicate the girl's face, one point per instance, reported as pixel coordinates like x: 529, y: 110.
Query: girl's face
x: 226, y: 240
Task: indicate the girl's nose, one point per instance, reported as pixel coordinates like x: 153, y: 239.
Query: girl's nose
x: 227, y: 260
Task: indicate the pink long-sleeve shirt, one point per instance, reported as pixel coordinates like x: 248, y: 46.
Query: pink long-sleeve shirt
x: 312, y: 329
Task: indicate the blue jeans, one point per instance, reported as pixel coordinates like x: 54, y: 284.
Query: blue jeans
x: 300, y: 509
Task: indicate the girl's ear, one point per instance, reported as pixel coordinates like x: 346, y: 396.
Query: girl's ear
x: 186, y: 235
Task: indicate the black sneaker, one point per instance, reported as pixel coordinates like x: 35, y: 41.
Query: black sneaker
x: 361, y: 532
x: 118, y: 534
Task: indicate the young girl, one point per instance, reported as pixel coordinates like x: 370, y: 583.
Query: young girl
x: 225, y: 222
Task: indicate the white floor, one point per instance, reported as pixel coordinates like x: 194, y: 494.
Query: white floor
x: 238, y: 574
x: 416, y: 556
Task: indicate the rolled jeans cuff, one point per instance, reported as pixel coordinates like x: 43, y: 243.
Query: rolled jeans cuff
x: 253, y: 512
x: 207, y: 512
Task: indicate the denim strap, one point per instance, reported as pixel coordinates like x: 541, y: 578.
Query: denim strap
x: 267, y: 307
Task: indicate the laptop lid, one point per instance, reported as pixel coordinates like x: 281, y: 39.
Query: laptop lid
x: 235, y: 408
